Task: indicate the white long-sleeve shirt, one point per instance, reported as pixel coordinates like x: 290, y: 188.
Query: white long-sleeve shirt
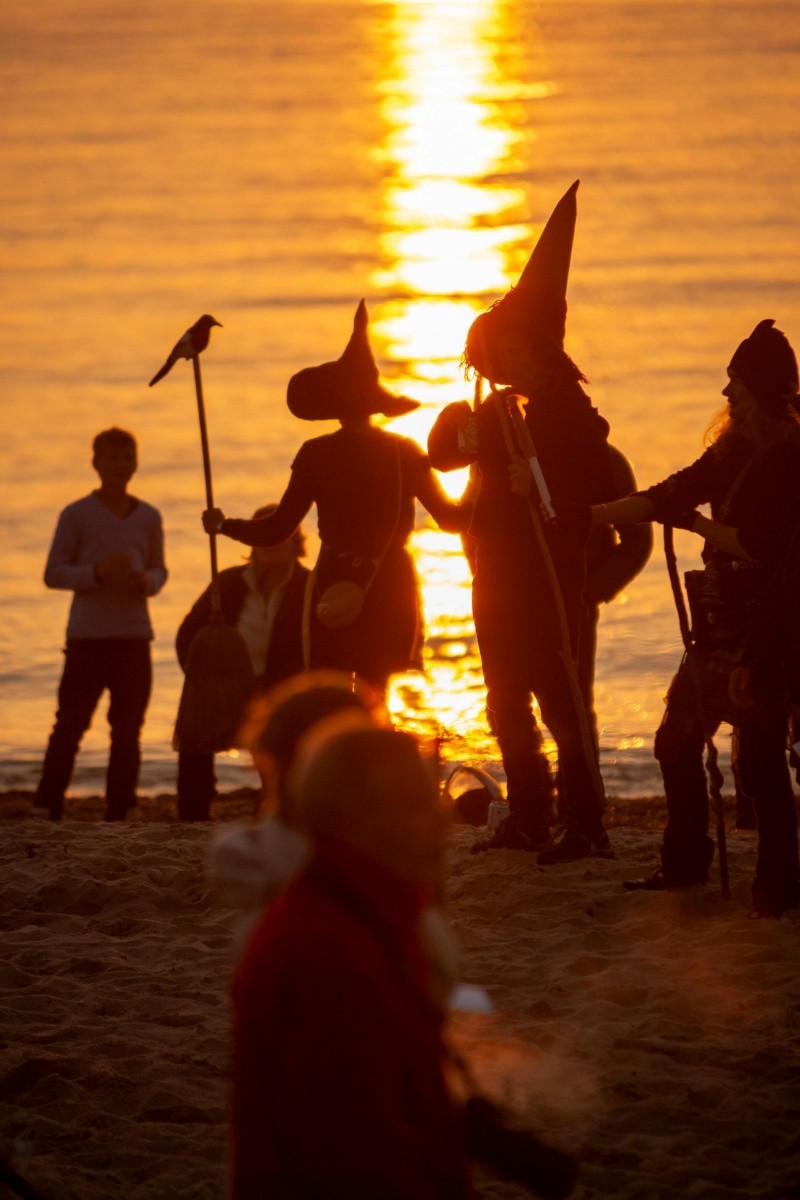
x: 87, y: 531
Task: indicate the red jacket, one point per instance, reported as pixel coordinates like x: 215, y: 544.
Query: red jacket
x: 338, y: 1084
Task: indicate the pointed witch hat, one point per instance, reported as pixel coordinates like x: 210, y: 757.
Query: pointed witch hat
x: 538, y: 303
x: 349, y: 387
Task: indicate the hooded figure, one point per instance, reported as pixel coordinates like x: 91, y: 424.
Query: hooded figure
x: 518, y: 611
x: 364, y: 481
x: 766, y: 364
x: 733, y: 668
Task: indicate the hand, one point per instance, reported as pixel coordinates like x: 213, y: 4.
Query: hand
x: 739, y: 686
x: 519, y: 472
x: 212, y: 519
x: 113, y: 566
x: 677, y: 514
x: 684, y: 519
x: 136, y: 583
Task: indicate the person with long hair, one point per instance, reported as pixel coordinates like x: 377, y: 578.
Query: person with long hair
x: 364, y: 481
x: 520, y: 616
x: 750, y: 476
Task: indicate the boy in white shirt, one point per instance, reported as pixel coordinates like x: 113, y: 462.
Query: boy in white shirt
x: 108, y: 549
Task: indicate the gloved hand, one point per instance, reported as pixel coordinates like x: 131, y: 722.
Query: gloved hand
x: 674, y: 512
x: 683, y: 519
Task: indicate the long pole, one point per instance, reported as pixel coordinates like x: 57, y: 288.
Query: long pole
x: 715, y: 779
x: 216, y: 604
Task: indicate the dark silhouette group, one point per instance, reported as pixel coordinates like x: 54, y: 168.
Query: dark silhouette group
x: 341, y: 1066
x: 555, y: 528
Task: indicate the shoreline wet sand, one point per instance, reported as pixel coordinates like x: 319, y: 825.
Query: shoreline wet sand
x: 655, y: 1035
x: 641, y: 812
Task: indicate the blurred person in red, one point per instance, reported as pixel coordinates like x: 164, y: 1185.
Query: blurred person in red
x: 339, y: 1085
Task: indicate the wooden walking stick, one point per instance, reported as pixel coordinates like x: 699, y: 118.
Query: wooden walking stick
x: 468, y: 542
x: 715, y: 779
x: 219, y: 675
x: 519, y: 443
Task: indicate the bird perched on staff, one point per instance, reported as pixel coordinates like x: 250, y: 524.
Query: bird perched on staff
x: 193, y: 342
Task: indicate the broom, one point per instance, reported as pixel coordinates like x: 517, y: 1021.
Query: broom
x: 219, y: 677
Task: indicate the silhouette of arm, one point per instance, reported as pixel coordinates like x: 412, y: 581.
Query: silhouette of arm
x: 62, y: 569
x: 155, y: 570
x: 453, y: 516
x: 279, y: 525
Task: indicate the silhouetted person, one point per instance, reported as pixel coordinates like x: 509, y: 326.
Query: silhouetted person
x: 749, y: 475
x: 364, y: 481
x: 263, y: 599
x: 108, y: 549
x: 774, y: 639
x: 520, y: 342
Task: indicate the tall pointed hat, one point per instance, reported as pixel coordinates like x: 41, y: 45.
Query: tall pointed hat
x: 538, y: 303
x: 349, y: 387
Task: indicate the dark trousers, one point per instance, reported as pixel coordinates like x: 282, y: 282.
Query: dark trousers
x: 197, y: 786
x: 520, y: 660
x: 587, y: 651
x: 687, y: 850
x: 92, y: 665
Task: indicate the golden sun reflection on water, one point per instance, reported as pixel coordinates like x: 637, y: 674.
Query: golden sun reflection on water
x: 453, y: 220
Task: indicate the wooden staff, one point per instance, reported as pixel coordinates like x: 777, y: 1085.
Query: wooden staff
x: 219, y: 678
x: 715, y: 779
x: 216, y: 604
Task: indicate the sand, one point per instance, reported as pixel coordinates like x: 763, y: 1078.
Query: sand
x: 655, y: 1035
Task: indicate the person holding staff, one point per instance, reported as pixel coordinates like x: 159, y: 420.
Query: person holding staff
x: 750, y: 476
x: 364, y: 481
x: 263, y: 599
x: 528, y: 594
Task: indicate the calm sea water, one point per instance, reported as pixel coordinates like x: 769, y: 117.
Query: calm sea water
x: 271, y: 163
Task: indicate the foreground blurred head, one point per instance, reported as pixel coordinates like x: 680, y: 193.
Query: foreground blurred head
x: 278, y: 721
x: 372, y: 788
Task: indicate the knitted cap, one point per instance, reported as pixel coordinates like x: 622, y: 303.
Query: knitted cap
x: 766, y: 364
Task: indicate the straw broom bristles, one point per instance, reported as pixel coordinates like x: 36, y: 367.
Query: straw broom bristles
x: 218, y: 685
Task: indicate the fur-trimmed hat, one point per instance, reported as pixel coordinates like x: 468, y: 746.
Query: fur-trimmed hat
x: 766, y: 364
x: 349, y: 387
x: 538, y: 303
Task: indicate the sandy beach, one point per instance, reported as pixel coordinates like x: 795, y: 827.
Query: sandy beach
x: 655, y: 1035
